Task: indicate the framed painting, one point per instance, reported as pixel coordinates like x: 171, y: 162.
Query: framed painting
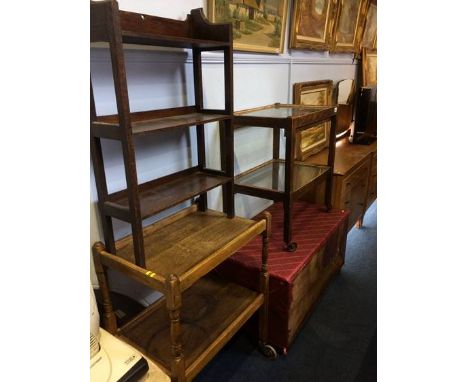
x: 369, y: 38
x: 315, y: 93
x: 369, y: 67
x: 349, y: 25
x: 257, y: 25
x: 312, y: 24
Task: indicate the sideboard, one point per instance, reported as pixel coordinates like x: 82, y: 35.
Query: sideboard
x: 354, y: 178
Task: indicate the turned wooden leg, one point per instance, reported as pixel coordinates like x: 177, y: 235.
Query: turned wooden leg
x: 109, y: 320
x: 174, y: 303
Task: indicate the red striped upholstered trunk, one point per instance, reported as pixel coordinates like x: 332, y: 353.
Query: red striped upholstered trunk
x: 297, y: 279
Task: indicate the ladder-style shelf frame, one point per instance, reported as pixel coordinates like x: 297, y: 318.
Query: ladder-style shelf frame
x: 139, y: 201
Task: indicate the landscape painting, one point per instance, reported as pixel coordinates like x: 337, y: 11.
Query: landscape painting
x: 313, y: 93
x: 258, y: 25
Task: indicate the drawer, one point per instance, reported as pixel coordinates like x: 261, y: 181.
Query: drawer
x: 355, y: 183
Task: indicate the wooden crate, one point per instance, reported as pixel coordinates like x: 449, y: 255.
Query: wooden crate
x: 296, y: 279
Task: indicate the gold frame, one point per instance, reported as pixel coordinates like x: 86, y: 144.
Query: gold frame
x: 250, y: 47
x: 367, y: 76
x: 317, y: 132
x: 372, y: 43
x: 297, y: 41
x: 358, y: 29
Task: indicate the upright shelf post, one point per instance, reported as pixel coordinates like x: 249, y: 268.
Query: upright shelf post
x: 289, y: 184
x: 100, y: 178
x: 198, y: 87
x: 228, y: 134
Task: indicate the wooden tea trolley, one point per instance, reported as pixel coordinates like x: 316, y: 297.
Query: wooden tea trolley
x: 199, y: 313
x: 286, y: 180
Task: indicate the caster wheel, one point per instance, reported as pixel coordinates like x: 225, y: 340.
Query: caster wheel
x: 268, y: 351
x: 291, y: 247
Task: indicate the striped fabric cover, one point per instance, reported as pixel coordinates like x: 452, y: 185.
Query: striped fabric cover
x: 312, y: 228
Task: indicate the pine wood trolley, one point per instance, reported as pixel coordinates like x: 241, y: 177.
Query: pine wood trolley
x: 286, y: 180
x: 199, y: 312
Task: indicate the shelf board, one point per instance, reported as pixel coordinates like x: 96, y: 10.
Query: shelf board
x: 213, y: 310
x: 191, y: 243
x: 160, y: 194
x: 271, y: 175
x: 130, y: 37
x: 147, y: 122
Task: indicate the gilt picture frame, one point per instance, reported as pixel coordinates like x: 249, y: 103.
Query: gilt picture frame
x: 257, y: 25
x: 369, y: 37
x: 349, y: 25
x: 369, y: 67
x: 315, y: 139
x: 312, y: 24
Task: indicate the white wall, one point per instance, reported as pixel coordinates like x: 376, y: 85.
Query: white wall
x: 163, y: 79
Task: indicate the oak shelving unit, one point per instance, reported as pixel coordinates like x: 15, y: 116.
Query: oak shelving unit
x: 176, y: 254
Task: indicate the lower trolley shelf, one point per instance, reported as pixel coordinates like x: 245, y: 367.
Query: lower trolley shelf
x: 212, y: 311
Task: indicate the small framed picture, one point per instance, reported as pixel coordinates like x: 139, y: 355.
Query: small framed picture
x: 315, y: 139
x: 257, y: 26
x: 312, y: 24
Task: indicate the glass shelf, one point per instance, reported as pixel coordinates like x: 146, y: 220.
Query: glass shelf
x: 282, y: 111
x: 271, y: 176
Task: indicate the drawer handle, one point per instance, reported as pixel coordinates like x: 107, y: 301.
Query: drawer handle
x: 347, y: 202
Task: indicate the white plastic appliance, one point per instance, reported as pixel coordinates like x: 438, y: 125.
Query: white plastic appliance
x: 111, y: 359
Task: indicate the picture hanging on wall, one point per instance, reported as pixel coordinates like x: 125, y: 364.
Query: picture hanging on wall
x: 312, y: 24
x: 369, y: 38
x: 257, y: 25
x: 369, y: 67
x: 314, y: 93
x: 350, y: 20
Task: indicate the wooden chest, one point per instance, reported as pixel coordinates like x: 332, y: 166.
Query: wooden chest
x: 296, y: 279
x: 354, y: 179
